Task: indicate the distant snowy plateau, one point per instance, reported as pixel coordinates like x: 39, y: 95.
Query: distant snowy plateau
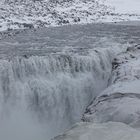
x: 80, y: 81
x: 15, y: 14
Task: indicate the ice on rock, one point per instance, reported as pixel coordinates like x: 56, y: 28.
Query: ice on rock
x: 105, y: 131
x: 116, y: 108
x: 120, y: 102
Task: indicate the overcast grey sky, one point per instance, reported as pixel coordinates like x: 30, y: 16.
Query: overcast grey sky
x: 131, y: 6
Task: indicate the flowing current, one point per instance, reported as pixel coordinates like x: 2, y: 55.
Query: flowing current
x: 42, y: 94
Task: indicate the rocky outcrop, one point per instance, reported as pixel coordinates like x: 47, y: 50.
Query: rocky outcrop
x: 121, y: 100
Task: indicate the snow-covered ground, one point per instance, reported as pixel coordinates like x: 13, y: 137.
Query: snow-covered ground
x: 33, y: 14
x: 105, y: 131
x: 30, y: 14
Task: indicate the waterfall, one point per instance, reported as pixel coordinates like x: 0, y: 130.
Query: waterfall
x: 44, y: 95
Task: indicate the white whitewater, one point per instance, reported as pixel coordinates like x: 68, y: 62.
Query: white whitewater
x: 41, y: 96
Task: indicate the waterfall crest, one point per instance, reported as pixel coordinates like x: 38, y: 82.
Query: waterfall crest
x: 52, y: 90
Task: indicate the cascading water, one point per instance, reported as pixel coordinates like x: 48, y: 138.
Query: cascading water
x: 41, y: 96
